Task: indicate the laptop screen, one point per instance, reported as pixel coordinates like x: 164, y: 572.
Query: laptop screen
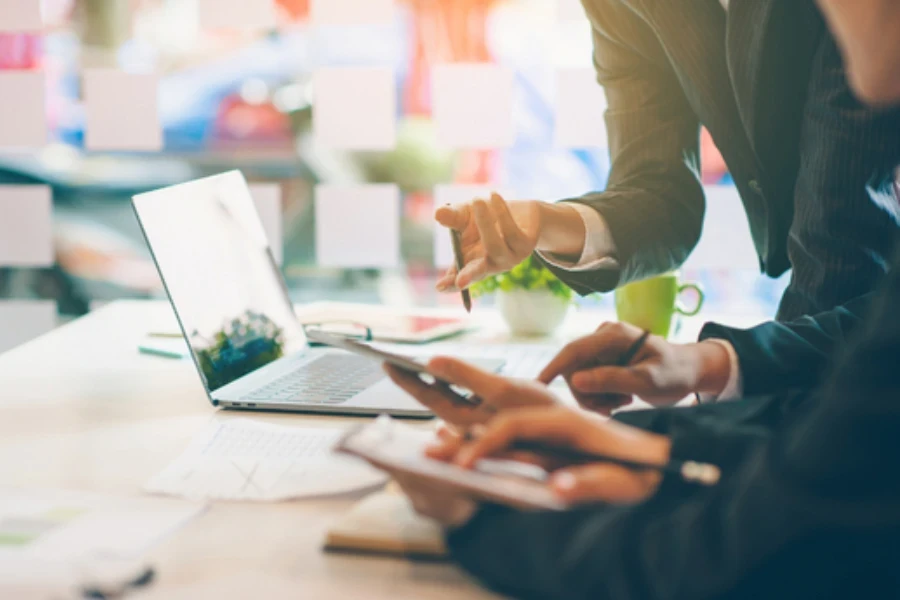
x: 214, y: 259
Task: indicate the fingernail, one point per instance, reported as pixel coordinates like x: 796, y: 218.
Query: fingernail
x: 564, y: 481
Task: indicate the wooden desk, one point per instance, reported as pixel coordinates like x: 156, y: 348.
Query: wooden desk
x: 80, y: 408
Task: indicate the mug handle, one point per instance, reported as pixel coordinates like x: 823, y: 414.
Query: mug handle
x: 700, y: 298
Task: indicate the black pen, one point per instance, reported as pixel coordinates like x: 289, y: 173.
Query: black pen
x: 633, y: 350
x: 460, y: 263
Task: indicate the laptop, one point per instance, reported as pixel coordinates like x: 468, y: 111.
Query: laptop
x: 235, y: 313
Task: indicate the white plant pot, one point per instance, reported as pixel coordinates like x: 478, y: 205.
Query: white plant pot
x: 532, y: 312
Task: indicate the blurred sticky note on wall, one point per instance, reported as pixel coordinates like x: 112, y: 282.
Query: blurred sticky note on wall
x: 726, y: 242
x: 355, y: 108
x: 455, y: 194
x: 580, y: 110
x: 352, y: 12
x: 570, y: 10
x: 473, y: 105
x: 23, y: 112
x: 267, y: 198
x: 23, y: 320
x: 358, y: 226
x: 121, y: 110
x: 26, y: 226
x: 20, y: 16
x: 236, y: 14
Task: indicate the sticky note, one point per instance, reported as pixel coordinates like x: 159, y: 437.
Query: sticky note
x: 24, y: 320
x: 472, y: 105
x: 18, y: 16
x: 121, y: 110
x: 26, y: 226
x: 580, y: 109
x: 23, y: 113
x: 355, y: 108
x: 352, y: 12
x: 236, y: 14
x: 570, y: 10
x: 455, y: 194
x: 358, y: 226
x: 726, y: 242
x: 267, y: 198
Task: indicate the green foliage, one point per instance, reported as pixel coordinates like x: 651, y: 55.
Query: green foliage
x: 528, y: 275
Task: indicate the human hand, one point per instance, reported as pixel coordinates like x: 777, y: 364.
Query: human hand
x: 494, y: 391
x: 431, y: 499
x: 660, y: 373
x: 563, y: 428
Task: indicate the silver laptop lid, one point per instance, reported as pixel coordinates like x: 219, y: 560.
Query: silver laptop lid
x: 214, y: 259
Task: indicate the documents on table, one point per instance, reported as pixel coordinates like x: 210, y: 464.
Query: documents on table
x: 243, y: 459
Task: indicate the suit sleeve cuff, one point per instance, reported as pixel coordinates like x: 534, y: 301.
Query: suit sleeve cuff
x: 599, y: 249
x: 734, y: 386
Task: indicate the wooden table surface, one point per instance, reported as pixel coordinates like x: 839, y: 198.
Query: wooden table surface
x: 81, y: 409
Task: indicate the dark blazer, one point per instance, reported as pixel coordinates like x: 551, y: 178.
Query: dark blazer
x: 808, y: 509
x: 766, y: 80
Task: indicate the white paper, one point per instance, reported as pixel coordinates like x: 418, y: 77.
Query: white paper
x: 242, y: 459
x: 121, y: 111
x: 267, y: 198
x: 20, y: 16
x: 70, y: 525
x: 580, y: 108
x: 26, y: 226
x: 23, y: 320
x: 726, y: 242
x: 236, y: 14
x: 473, y: 105
x: 23, y: 113
x: 570, y: 10
x: 358, y: 226
x: 352, y: 12
x: 453, y: 194
x: 355, y: 108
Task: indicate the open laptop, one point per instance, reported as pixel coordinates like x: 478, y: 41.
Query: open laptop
x: 234, y: 311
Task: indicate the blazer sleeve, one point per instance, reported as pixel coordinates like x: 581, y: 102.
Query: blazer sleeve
x: 806, y: 512
x: 653, y: 203
x: 777, y: 356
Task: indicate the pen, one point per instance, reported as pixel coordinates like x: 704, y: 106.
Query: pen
x: 460, y: 263
x: 633, y: 350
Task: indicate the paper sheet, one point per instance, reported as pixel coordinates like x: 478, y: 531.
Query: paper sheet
x: 26, y: 226
x: 473, y: 105
x: 236, y: 14
x: 358, y: 226
x: 19, y: 16
x: 570, y: 10
x: 23, y: 112
x: 243, y: 459
x: 355, y: 108
x: 267, y: 198
x: 121, y: 111
x: 352, y: 12
x: 580, y: 108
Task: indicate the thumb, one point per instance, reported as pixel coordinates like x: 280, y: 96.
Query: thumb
x: 602, y: 483
x: 454, y: 217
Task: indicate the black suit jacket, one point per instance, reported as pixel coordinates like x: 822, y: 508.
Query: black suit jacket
x: 766, y: 80
x: 809, y: 508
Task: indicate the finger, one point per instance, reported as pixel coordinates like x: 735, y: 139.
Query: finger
x: 482, y: 383
x: 602, y: 483
x: 515, y: 238
x: 549, y: 424
x: 444, y: 450
x: 603, y: 404
x: 447, y: 282
x: 610, y: 380
x: 494, y: 245
x: 474, y: 270
x: 573, y: 355
x: 454, y: 217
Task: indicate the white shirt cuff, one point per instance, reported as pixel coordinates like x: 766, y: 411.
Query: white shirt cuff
x: 599, y: 247
x: 734, y: 387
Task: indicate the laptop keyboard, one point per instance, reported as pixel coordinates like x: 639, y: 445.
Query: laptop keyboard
x: 329, y: 379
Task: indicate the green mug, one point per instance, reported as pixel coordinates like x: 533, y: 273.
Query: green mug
x: 652, y: 303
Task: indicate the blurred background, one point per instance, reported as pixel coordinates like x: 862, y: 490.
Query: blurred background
x: 299, y: 94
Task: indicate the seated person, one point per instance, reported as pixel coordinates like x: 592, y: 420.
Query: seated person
x: 810, y: 511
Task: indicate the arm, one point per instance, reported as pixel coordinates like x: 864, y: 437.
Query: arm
x: 653, y: 204
x: 777, y: 356
x: 808, y: 509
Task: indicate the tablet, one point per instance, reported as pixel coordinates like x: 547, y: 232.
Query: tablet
x: 392, y: 446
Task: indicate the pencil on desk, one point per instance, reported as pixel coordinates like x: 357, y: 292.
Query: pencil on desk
x: 460, y: 263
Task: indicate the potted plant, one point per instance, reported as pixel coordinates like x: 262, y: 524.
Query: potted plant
x: 530, y: 298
